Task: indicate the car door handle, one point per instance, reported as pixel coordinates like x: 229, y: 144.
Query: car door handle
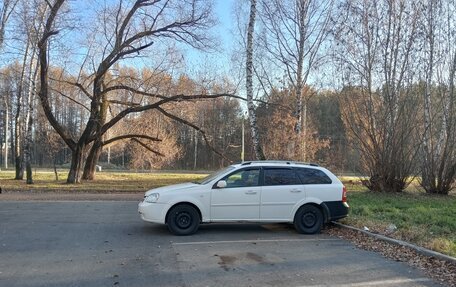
x: 295, y: 190
x: 250, y: 192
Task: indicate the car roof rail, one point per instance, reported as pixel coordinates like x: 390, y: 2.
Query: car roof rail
x: 278, y: 161
x: 306, y: 163
x: 267, y: 161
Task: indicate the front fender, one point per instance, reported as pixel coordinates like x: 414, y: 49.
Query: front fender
x: 198, y: 203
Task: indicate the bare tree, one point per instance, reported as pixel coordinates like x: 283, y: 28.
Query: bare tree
x: 6, y: 94
x: 438, y: 168
x: 136, y: 29
x: 295, y: 31
x: 376, y: 43
x: 6, y: 9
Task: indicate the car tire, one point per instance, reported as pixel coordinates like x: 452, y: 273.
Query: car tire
x: 183, y: 219
x: 308, y: 219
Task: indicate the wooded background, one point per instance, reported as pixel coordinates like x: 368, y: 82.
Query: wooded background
x: 360, y: 87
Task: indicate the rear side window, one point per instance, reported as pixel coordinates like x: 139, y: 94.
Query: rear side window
x: 280, y: 176
x: 312, y: 176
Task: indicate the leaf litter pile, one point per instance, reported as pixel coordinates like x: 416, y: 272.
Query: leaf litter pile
x: 440, y: 270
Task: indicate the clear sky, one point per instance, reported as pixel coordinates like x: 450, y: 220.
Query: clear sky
x: 195, y: 60
x: 224, y: 8
x: 71, y: 49
x: 223, y: 31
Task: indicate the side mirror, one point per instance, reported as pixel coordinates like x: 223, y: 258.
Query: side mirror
x: 221, y: 184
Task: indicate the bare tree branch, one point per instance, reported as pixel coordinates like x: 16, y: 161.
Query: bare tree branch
x: 203, y: 133
x: 147, y: 147
x: 122, y: 137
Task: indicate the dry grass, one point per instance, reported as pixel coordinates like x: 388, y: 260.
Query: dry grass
x: 44, y: 181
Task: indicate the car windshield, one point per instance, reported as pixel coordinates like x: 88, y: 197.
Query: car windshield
x: 213, y: 175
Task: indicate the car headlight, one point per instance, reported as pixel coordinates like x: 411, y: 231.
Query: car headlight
x: 151, y: 198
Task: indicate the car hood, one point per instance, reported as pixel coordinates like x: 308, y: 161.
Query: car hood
x: 174, y: 187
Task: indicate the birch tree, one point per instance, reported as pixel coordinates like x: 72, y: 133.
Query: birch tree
x: 33, y: 26
x: 249, y: 83
x: 295, y: 32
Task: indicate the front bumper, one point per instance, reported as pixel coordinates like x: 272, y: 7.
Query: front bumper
x: 153, y: 212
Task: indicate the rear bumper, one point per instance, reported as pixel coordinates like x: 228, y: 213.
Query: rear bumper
x: 336, y: 210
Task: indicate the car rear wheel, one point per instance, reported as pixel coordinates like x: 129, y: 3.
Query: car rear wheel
x: 183, y: 220
x: 308, y: 219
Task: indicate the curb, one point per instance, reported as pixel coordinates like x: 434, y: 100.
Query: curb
x: 421, y: 250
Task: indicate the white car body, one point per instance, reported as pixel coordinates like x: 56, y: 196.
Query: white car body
x: 261, y: 203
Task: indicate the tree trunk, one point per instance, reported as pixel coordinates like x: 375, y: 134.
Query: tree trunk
x: 18, y: 161
x: 29, y: 119
x: 77, y: 159
x: 55, y: 169
x: 301, y: 104
x: 249, y: 84
x: 28, y: 147
x: 195, y: 152
x: 17, y: 142
x: 18, y: 120
x: 304, y: 131
x: 92, y: 160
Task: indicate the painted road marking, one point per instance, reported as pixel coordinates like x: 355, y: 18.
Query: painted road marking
x: 252, y: 241
x: 393, y: 282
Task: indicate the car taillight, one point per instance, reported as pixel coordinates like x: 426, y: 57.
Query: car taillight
x: 344, y: 194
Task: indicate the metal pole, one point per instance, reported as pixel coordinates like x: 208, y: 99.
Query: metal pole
x: 6, y: 136
x: 242, y: 149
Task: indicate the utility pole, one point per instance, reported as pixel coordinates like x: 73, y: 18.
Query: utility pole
x: 242, y: 149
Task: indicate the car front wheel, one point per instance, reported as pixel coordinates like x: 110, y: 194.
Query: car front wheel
x: 308, y: 219
x: 183, y: 220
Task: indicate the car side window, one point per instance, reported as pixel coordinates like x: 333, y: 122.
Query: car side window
x: 312, y: 176
x: 280, y: 176
x: 243, y: 178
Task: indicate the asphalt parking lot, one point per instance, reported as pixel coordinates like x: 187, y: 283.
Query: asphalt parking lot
x: 104, y: 243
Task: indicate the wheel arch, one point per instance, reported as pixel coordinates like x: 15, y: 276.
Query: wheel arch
x: 184, y: 203
x: 320, y: 205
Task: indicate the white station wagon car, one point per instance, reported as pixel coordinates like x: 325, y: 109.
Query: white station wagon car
x: 256, y: 191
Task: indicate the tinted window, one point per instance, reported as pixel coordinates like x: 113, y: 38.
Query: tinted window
x: 243, y: 178
x: 279, y: 176
x: 312, y: 176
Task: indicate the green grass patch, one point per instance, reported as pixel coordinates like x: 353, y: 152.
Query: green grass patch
x: 44, y: 181
x: 427, y: 220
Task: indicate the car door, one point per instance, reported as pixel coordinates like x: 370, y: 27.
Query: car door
x: 240, y: 199
x: 281, y: 190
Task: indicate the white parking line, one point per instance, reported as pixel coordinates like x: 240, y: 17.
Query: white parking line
x: 390, y: 282
x: 252, y: 241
